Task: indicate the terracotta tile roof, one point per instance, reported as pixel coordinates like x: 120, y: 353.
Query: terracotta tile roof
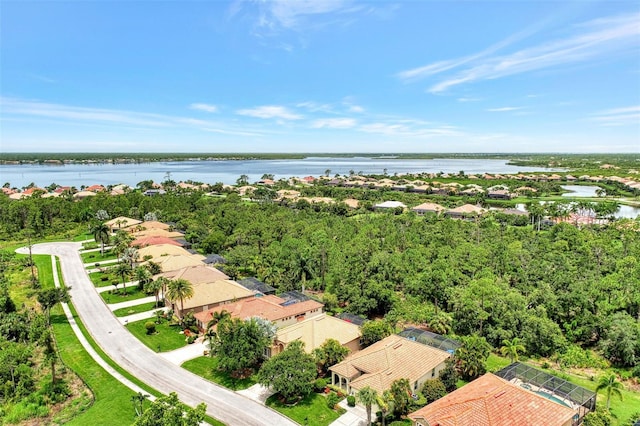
x: 430, y: 207
x: 160, y: 250
x: 351, y: 202
x: 267, y: 307
x: 122, y: 222
x: 176, y: 262
x: 391, y: 358
x: 150, y: 241
x: 492, y: 401
x: 157, y: 233
x: 316, y: 330
x: 195, y: 274
x: 467, y: 209
x: 216, y: 292
x: 149, y: 225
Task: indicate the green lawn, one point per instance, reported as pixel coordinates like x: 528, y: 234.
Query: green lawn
x: 137, y: 309
x: 311, y: 411
x: 167, y: 337
x: 621, y: 410
x: 207, y: 367
x: 95, y: 256
x: 97, y: 279
x: 496, y: 362
x: 117, y: 296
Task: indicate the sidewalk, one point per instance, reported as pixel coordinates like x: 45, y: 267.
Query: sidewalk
x: 179, y: 356
x: 355, y: 416
x: 139, y: 316
x: 111, y: 287
x: 257, y: 393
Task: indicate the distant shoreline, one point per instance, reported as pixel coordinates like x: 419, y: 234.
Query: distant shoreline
x: 58, y: 159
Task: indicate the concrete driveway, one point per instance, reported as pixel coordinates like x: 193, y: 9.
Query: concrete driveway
x: 154, y: 370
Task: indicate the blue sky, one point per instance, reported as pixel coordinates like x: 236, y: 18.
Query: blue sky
x: 320, y: 76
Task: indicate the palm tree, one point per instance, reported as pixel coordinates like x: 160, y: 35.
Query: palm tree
x: 611, y: 386
x: 180, y: 289
x: 218, y: 317
x: 101, y: 235
x: 441, y: 323
x: 124, y: 270
x: 386, y: 405
x: 367, y: 397
x: 511, y: 348
x: 154, y: 287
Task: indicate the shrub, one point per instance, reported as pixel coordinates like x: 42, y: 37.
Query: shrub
x: 150, y: 326
x: 191, y: 339
x: 636, y: 371
x: 319, y: 385
x: 351, y: 401
x: 104, y: 278
x: 332, y: 400
x: 433, y: 390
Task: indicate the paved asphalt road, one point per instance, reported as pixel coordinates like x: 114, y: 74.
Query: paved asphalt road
x: 157, y: 372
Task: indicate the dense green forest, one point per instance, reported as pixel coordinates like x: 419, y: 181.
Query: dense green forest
x: 562, y: 291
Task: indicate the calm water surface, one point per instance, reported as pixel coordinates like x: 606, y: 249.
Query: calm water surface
x: 228, y: 171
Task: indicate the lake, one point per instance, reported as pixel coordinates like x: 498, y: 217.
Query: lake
x: 228, y: 171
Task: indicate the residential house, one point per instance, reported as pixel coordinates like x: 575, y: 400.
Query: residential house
x: 425, y: 208
x: 176, y: 262
x: 465, y: 211
x: 493, y: 401
x: 149, y: 241
x: 500, y: 194
x: 271, y: 308
x: 158, y: 251
x: 210, y: 295
x: 389, y: 205
x: 195, y: 274
x: 121, y: 222
x: 390, y: 359
x: 314, y: 331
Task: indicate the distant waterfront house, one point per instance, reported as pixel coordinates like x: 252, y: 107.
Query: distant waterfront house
x: 500, y: 194
x: 382, y: 363
x: 271, y: 308
x: 82, y: 194
x: 389, y: 205
x: 465, y: 211
x: 425, y: 208
x: 314, y: 331
x: 153, y: 192
x: 352, y: 203
x: 493, y: 401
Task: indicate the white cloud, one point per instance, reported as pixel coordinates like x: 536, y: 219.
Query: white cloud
x: 334, y: 123
x: 618, y: 116
x: 356, y: 108
x: 17, y: 108
x: 404, y: 128
x: 291, y: 14
x: 65, y: 112
x: 504, y: 109
x: 315, y: 107
x: 468, y: 99
x: 270, y: 111
x: 204, y: 107
x: 594, y: 39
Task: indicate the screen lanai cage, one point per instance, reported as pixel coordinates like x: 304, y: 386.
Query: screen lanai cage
x: 432, y: 339
x: 554, y: 388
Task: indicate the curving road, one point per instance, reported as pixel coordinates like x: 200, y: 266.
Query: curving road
x: 222, y: 404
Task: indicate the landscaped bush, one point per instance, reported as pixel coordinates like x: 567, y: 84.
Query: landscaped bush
x: 150, y: 326
x: 351, y: 401
x: 332, y: 400
x: 319, y: 385
x: 433, y: 389
x: 191, y: 339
